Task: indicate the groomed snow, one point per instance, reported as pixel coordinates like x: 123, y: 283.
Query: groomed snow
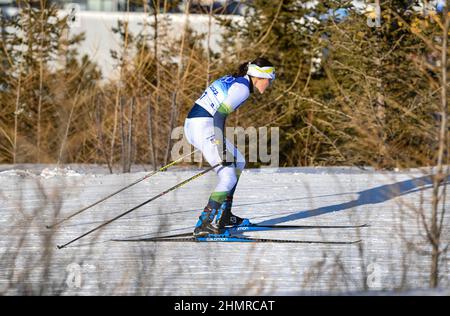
x: 394, y: 252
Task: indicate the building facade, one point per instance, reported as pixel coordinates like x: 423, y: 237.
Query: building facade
x: 168, y: 6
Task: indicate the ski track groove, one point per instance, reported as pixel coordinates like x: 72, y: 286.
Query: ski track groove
x: 303, y: 198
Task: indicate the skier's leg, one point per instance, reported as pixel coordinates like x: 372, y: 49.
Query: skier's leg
x: 200, y: 133
x: 239, y: 164
x: 224, y: 216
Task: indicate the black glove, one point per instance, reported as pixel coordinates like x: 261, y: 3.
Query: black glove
x: 225, y: 161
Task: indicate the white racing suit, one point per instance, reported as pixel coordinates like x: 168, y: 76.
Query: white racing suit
x: 204, y: 129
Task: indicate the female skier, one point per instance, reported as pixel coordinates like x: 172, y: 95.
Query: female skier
x: 204, y: 128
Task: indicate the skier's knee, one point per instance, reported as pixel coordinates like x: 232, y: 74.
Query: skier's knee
x: 228, y: 181
x: 240, y: 165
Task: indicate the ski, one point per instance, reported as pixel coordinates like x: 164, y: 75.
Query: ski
x: 158, y: 237
x: 226, y: 233
x: 230, y: 238
x: 258, y: 227
x: 219, y: 238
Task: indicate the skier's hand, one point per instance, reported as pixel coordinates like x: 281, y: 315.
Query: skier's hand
x: 225, y: 161
x: 223, y: 153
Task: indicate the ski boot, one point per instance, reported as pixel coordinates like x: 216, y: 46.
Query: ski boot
x: 205, y: 224
x: 226, y: 218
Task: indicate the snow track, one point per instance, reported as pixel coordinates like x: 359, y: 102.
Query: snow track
x: 393, y: 254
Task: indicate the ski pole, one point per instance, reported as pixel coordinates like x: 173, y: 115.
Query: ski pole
x: 120, y: 190
x: 142, y: 204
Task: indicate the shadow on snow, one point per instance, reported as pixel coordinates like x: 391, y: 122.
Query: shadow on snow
x: 371, y: 196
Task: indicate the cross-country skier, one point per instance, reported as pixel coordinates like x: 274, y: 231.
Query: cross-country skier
x: 204, y: 128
